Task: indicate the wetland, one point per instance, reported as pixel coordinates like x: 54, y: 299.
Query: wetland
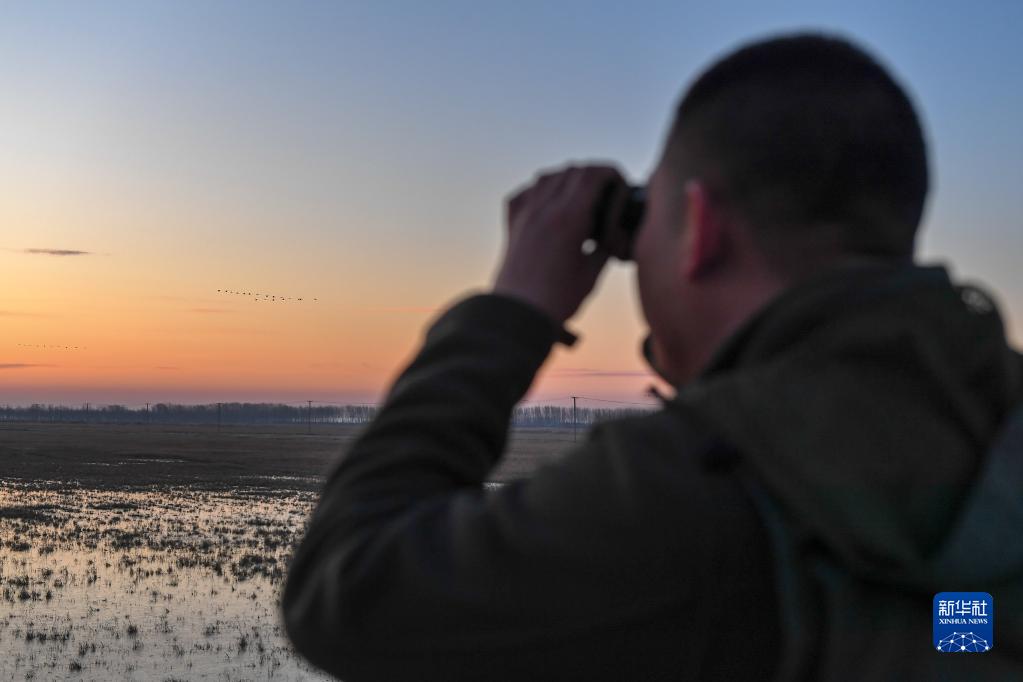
x: 159, y: 553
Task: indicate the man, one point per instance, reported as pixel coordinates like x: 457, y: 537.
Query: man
x: 822, y: 472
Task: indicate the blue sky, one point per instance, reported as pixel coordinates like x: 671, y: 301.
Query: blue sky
x: 363, y: 148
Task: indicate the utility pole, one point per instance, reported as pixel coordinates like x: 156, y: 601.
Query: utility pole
x: 309, y: 417
x: 575, y: 424
x: 218, y: 417
x: 147, y: 414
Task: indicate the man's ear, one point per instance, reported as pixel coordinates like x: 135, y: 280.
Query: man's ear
x: 705, y: 238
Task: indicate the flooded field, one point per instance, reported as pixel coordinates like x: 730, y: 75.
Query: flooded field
x: 160, y: 555
x: 178, y: 584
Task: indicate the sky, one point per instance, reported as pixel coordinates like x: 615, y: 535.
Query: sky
x: 359, y: 153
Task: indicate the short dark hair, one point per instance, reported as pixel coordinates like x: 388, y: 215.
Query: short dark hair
x: 803, y: 134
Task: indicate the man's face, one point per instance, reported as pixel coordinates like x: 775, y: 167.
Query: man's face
x: 658, y: 252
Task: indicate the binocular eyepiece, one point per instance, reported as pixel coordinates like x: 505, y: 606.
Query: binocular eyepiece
x: 617, y: 220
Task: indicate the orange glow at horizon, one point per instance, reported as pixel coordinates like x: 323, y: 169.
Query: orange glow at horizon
x: 157, y: 327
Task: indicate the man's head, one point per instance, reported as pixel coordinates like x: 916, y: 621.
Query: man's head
x: 787, y: 157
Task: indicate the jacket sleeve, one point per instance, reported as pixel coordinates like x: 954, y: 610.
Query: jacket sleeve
x: 411, y: 569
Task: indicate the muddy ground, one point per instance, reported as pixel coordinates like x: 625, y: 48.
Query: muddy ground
x: 111, y: 457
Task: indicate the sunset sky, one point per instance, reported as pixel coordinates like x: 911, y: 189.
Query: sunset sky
x: 359, y: 153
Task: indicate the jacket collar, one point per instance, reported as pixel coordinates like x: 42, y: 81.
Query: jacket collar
x: 823, y: 291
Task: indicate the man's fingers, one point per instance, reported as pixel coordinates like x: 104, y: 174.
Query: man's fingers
x: 550, y: 185
x: 596, y: 178
x: 596, y: 197
x: 516, y: 202
x: 548, y: 222
x: 576, y: 189
x: 572, y: 182
x: 542, y: 189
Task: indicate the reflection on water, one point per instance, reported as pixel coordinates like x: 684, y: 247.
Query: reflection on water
x: 178, y: 584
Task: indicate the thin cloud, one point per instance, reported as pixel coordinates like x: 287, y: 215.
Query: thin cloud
x: 57, y: 252
x: 20, y: 365
x: 210, y: 311
x: 168, y: 368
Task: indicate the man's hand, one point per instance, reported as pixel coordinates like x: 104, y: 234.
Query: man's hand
x: 548, y: 222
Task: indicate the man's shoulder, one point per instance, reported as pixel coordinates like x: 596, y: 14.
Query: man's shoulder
x: 674, y: 430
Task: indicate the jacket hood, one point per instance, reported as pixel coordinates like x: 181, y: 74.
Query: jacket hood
x: 876, y: 404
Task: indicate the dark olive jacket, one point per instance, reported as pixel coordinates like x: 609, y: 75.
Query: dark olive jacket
x: 788, y: 515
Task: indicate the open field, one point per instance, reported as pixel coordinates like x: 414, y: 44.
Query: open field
x: 158, y: 553
x: 260, y: 457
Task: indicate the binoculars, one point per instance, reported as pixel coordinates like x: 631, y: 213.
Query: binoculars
x: 617, y: 232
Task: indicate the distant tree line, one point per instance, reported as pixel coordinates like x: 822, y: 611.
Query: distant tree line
x: 556, y: 415
x: 536, y: 416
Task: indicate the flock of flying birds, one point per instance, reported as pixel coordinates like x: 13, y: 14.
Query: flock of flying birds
x: 256, y: 296
x: 51, y: 347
